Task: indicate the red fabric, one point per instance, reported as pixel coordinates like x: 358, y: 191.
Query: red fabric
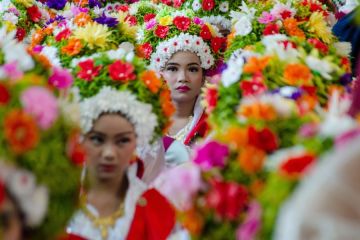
x: 154, y: 218
x: 199, y: 130
x: 72, y: 237
x: 140, y: 168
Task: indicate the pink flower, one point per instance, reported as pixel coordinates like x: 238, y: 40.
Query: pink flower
x: 252, y: 223
x: 282, y: 11
x: 212, y: 154
x: 266, y: 18
x: 309, y: 130
x: 40, y: 103
x: 61, y: 78
x: 198, y: 21
x: 150, y: 24
x: 11, y: 70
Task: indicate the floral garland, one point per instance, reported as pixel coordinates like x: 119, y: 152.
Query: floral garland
x: 301, y: 18
x: 170, y: 32
x: 122, y: 75
x: 144, y: 10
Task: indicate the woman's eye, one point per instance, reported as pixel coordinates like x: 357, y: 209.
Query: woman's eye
x: 123, y: 141
x: 171, y: 69
x: 97, y: 140
x: 194, y: 69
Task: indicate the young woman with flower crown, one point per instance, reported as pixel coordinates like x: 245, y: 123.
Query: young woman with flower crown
x: 121, y: 109
x: 180, y: 51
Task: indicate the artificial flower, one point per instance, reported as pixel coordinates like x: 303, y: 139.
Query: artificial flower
x: 64, y: 34
x: 88, y: 70
x: 93, y: 34
x: 82, y: 19
x: 256, y: 64
x: 218, y: 43
x: 205, y: 32
x: 251, y: 159
x: 243, y: 26
x: 145, y: 50
x: 149, y: 16
x: 252, y: 87
x: 228, y: 199
x: 258, y: 111
x: 297, y: 74
x: 20, y: 131
x: 56, y: 4
x: 161, y: 31
x: 270, y: 29
x: 165, y: 21
x: 4, y: 95
x: 235, y: 137
x: 150, y: 24
x: 208, y: 5
x: 182, y: 23
x: 283, y: 11
x: 211, y: 97
x: 212, y: 154
x: 224, y: 6
x: 61, y: 78
x: 151, y: 81
x: 73, y: 47
x: 292, y: 29
x: 322, y: 47
x: 318, y: 26
x: 122, y: 71
x: 41, y: 104
x: 108, y: 21
x: 20, y: 34
x: 264, y: 139
x: 266, y: 18
x: 34, y: 13
x: 296, y: 166
x: 166, y: 103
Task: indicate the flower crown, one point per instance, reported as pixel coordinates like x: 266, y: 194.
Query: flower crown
x: 170, y: 32
x: 135, y: 92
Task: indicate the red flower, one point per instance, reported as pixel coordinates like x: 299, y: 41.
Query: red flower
x: 167, y: 2
x: 264, y: 139
x: 322, y: 47
x: 20, y: 34
x: 88, y: 70
x: 122, y: 71
x: 288, y: 44
x: 270, y: 29
x: 205, y: 33
x: 64, y: 34
x: 75, y: 150
x: 252, y: 87
x: 131, y: 19
x: 228, y: 199
x: 148, y: 17
x: 34, y: 13
x: 123, y: 8
x: 4, y: 95
x: 178, y: 3
x: 296, y: 166
x: 145, y: 50
x: 211, y: 97
x: 218, y: 43
x: 208, y: 5
x: 182, y: 23
x: 161, y: 31
x: 285, y: 14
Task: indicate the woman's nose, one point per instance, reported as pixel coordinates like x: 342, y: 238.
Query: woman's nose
x: 109, y: 152
x: 182, y: 76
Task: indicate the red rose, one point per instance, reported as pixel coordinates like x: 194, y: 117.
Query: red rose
x: 205, y: 33
x: 218, y: 43
x: 145, y: 50
x: 161, y: 31
x: 20, y: 34
x: 208, y: 5
x: 87, y: 70
x: 64, y: 34
x: 296, y: 166
x: 270, y: 29
x: 148, y: 17
x: 252, y: 87
x: 264, y: 139
x: 228, y: 199
x: 182, y: 23
x: 4, y: 95
x: 322, y: 47
x: 34, y: 13
x: 122, y: 71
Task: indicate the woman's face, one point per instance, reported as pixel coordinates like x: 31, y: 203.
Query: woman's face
x: 10, y: 223
x: 110, y: 147
x: 184, y: 75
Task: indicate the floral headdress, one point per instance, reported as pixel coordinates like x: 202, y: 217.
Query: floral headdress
x: 173, y: 31
x: 117, y: 81
x: 144, y: 10
x: 301, y: 18
x: 38, y: 143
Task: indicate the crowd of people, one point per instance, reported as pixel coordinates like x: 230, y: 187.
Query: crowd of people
x: 179, y: 119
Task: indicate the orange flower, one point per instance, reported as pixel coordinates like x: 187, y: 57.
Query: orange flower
x: 20, y: 131
x: 258, y: 111
x: 81, y: 3
x: 192, y: 221
x: 166, y: 104
x: 151, y: 81
x: 255, y: 64
x: 37, y: 37
x: 236, y: 136
x: 82, y: 19
x: 297, y: 74
x: 230, y: 39
x: 73, y: 47
x: 291, y: 28
x: 251, y: 159
x: 307, y: 103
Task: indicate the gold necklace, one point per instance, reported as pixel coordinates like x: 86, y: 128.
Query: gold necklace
x: 103, y: 223
x: 180, y: 135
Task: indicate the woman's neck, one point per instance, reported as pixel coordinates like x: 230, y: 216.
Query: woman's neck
x: 184, y: 109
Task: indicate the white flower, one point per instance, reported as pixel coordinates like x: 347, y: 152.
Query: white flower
x: 321, y: 66
x: 343, y: 48
x: 196, y: 6
x: 218, y: 20
x: 233, y: 73
x: 11, y: 17
x: 22, y: 183
x: 140, y: 35
x: 134, y: 8
x: 16, y: 52
x: 250, y: 12
x: 4, y: 5
x: 35, y: 206
x: 52, y: 54
x: 98, y: 11
x: 224, y: 6
x: 243, y: 26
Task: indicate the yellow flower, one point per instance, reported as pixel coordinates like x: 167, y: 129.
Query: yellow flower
x: 125, y: 26
x: 10, y: 26
x: 318, y: 26
x: 26, y: 3
x: 93, y: 34
x: 165, y: 21
x: 211, y: 29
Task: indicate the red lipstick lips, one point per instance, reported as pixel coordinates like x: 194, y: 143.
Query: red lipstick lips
x: 183, y: 89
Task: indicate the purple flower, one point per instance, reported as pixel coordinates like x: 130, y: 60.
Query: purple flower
x: 38, y: 48
x: 252, y: 223
x: 61, y: 78
x: 109, y: 21
x: 150, y: 24
x: 56, y: 4
x: 42, y: 104
x: 212, y: 154
x: 198, y: 21
x: 94, y: 3
x: 266, y: 18
x: 346, y: 79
